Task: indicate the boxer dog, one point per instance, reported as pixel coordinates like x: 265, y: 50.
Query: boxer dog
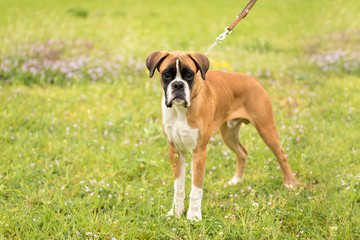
x: 195, y: 104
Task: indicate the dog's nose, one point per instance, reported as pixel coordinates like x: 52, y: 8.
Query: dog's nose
x: 178, y: 85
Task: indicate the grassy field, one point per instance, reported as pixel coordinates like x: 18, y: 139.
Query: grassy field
x: 82, y: 153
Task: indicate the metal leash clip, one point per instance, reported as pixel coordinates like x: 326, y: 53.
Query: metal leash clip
x: 218, y: 40
x: 222, y: 36
x: 229, y: 29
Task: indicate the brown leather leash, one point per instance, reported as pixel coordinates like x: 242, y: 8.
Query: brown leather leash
x: 229, y: 29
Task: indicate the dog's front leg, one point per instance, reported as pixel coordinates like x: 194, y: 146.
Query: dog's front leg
x: 198, y: 171
x: 177, y: 160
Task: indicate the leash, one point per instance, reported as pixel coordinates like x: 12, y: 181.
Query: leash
x: 229, y: 29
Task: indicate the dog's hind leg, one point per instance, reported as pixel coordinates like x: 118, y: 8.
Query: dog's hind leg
x: 230, y: 134
x: 265, y: 125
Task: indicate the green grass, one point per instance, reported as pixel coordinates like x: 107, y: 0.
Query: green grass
x: 83, y: 158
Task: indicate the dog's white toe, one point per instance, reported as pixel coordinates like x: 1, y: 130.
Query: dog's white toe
x: 176, y: 210
x: 170, y: 213
x: 290, y: 186
x: 234, y: 181
x: 194, y: 214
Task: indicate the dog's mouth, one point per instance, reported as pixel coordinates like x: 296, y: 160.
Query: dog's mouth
x: 177, y: 100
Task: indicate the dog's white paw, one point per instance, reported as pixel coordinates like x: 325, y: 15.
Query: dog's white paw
x: 290, y: 186
x: 290, y: 183
x: 234, y: 181
x: 194, y: 214
x: 176, y: 211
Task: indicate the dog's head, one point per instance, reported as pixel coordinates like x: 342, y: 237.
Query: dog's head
x: 178, y: 73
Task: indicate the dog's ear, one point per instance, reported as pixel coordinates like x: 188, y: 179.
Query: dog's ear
x: 201, y: 61
x: 154, y: 60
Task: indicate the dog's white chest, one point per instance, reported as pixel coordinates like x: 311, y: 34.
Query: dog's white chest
x: 177, y: 129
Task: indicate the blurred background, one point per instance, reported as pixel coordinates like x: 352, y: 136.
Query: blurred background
x: 319, y: 33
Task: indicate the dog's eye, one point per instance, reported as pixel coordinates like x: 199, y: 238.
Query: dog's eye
x: 188, y: 76
x: 167, y: 76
